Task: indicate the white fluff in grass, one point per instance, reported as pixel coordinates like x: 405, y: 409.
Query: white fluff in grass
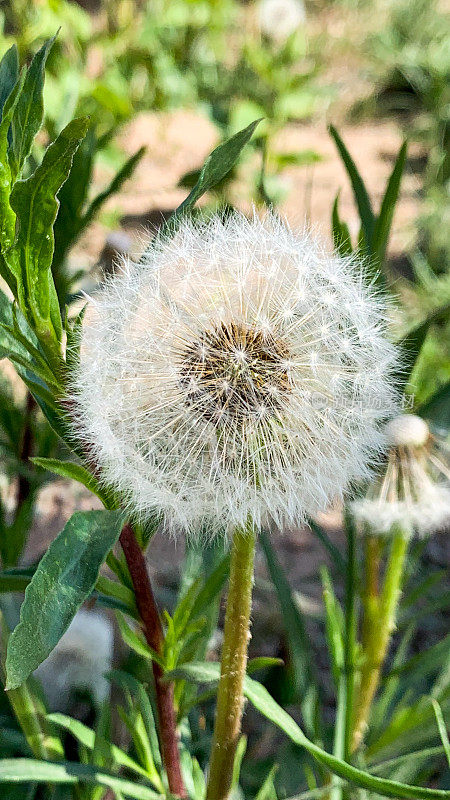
x: 414, y: 490
x: 238, y: 370
x: 279, y: 19
x: 79, y: 661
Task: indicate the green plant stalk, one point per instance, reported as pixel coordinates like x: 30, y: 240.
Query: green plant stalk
x: 230, y: 696
x: 351, y: 623
x: 30, y: 712
x: 377, y: 635
x: 373, y: 546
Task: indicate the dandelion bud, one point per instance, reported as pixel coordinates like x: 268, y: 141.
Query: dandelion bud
x: 238, y: 370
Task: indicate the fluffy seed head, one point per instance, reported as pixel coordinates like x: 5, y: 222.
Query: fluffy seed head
x: 279, y: 19
x: 238, y: 370
x: 414, y: 490
x: 407, y: 430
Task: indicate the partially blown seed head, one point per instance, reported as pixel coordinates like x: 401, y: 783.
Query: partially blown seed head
x: 413, y: 491
x: 238, y: 370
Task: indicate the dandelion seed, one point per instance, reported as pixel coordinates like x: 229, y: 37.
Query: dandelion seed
x: 224, y: 396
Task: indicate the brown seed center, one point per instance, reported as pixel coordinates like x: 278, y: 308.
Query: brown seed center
x: 234, y: 371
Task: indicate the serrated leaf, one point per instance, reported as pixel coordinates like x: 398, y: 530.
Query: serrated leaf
x: 35, y: 203
x: 28, y: 771
x: 65, y: 577
x: 27, y: 118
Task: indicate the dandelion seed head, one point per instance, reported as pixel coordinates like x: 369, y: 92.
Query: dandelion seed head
x: 216, y: 382
x: 278, y: 19
x: 413, y: 491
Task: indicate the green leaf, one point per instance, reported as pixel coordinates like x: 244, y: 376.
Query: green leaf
x: 437, y: 408
x: 341, y: 235
x: 359, y: 190
x: 238, y: 759
x: 35, y: 203
x: 411, y: 344
x: 335, y: 554
x: 7, y: 216
x: 263, y: 662
x: 333, y: 627
x: 117, y: 591
x: 442, y: 728
x: 209, y: 672
x: 29, y: 112
x: 15, y: 579
x: 116, y: 184
x: 384, y: 220
x: 135, y: 689
x: 267, y: 790
x: 65, y: 577
x: 214, y: 584
x: 72, y: 198
x: 9, y: 73
x: 29, y: 710
x: 73, y: 342
x: 135, y: 643
x: 28, y: 770
x: 86, y: 736
x: 74, y: 472
x: 216, y: 166
x: 300, y: 646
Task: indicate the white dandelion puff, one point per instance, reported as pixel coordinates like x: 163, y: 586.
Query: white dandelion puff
x: 278, y: 19
x: 211, y: 389
x: 414, y: 490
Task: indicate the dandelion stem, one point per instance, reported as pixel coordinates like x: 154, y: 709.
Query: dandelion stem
x: 153, y: 632
x: 230, y: 698
x: 378, y: 628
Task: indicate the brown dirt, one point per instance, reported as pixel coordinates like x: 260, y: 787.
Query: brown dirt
x: 179, y: 141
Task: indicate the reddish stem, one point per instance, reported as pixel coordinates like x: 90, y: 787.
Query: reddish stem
x: 24, y: 486
x: 153, y: 632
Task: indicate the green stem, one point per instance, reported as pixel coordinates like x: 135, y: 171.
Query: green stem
x: 351, y: 622
x: 230, y: 696
x: 30, y: 712
x: 378, y: 635
x: 373, y: 546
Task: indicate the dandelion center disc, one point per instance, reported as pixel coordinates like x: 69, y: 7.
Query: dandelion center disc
x: 235, y: 371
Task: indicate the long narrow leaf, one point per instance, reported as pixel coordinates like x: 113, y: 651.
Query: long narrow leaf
x: 28, y: 770
x: 359, y: 190
x: 384, y: 220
